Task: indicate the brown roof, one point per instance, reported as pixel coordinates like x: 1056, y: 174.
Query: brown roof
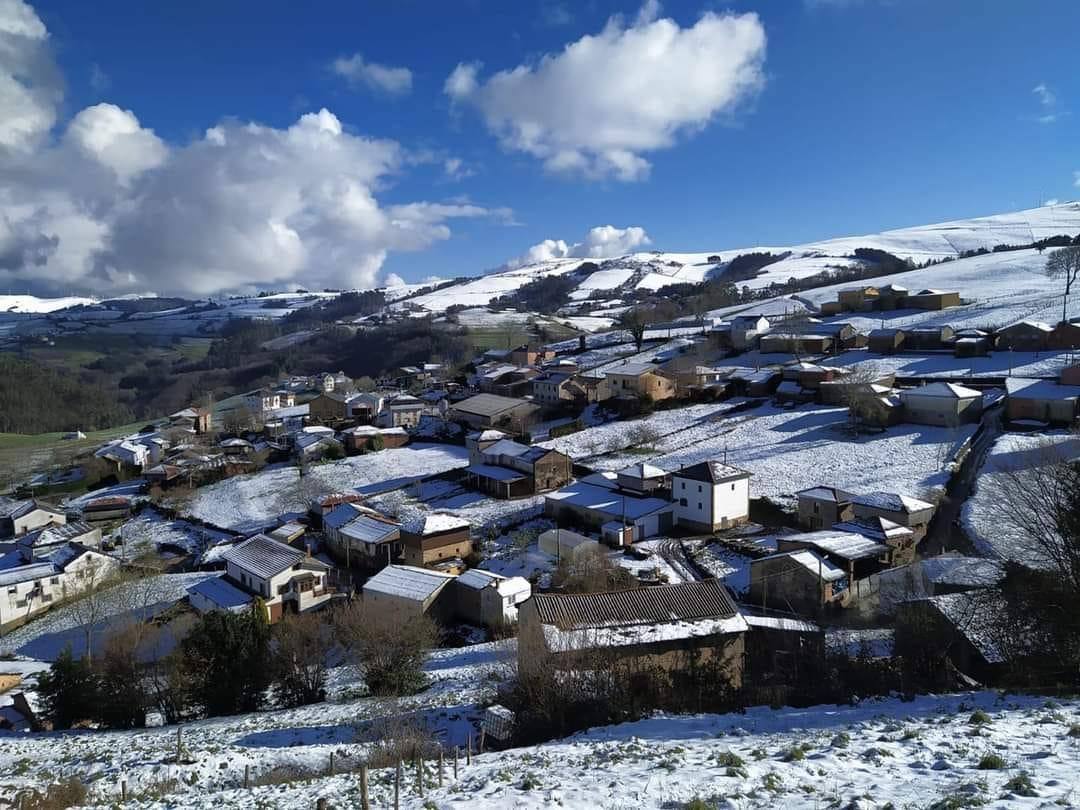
x: 687, y: 601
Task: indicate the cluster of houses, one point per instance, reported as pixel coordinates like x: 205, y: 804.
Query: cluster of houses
x: 51, y: 557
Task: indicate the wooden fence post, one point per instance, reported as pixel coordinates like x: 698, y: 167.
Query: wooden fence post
x: 123, y: 790
x: 331, y: 763
x: 397, y: 785
x: 480, y: 747
x: 468, y: 750
x: 247, y: 775
x: 440, y: 765
x: 320, y: 803
x: 420, y: 775
x: 455, y: 762
x: 364, y: 789
x: 178, y: 748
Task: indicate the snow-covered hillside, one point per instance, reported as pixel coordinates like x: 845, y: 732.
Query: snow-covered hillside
x: 33, y: 304
x: 655, y: 270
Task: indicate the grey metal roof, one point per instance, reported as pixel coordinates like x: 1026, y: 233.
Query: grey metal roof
x: 688, y: 601
x: 489, y: 404
x: 263, y: 556
x: 221, y: 592
x: 495, y: 473
x: 367, y: 529
x: 26, y: 573
x: 408, y: 582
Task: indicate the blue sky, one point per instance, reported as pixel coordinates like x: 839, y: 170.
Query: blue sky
x: 864, y: 115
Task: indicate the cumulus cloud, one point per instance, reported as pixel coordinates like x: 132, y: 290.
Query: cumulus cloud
x: 602, y: 103
x: 395, y: 81
x: 103, y: 203
x: 456, y: 169
x: 601, y: 242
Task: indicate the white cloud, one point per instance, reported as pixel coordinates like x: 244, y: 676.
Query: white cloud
x: 103, y: 204
x: 30, y: 85
x: 604, y: 101
x: 395, y: 81
x: 394, y: 280
x: 601, y: 242
x: 456, y: 169
x: 1044, y: 94
x: 1052, y: 201
x: 1076, y: 179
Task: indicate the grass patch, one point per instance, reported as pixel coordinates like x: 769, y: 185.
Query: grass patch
x: 1020, y: 785
x: 991, y: 762
x: 979, y: 718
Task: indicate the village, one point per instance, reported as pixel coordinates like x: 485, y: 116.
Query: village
x: 468, y: 495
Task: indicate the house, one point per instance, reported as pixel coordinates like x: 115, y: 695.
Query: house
x: 945, y: 404
x: 971, y: 343
x: 44, y: 541
x: 746, y: 329
x: 507, y: 469
x: 489, y: 600
x: 900, y: 540
x: 643, y: 478
x: 262, y: 401
x: 892, y: 296
x: 164, y: 475
x: 364, y: 407
x: 490, y: 410
x: 856, y: 555
x: 557, y: 388
x: 236, y: 447
x: 886, y: 341
x: 671, y: 627
x: 903, y: 510
x: 796, y: 343
x: 280, y: 575
x: 844, y: 335
x: 932, y: 299
x: 313, y: 444
x: 199, y: 420
x: 361, y: 537
x: 858, y: 299
x: 622, y: 516
x: 1024, y: 336
x: 28, y: 590
x: 330, y: 407
x: 1041, y: 401
x: 822, y: 506
x: 531, y: 355
x: 640, y: 379
x: 800, y: 581
x: 971, y: 629
x: 1066, y: 335
x: 17, y: 517
x: 1070, y: 375
x: 596, y: 389
x: 288, y: 533
x: 934, y: 576
x: 218, y: 593
x: 710, y: 496
x: 565, y: 544
x: 108, y: 507
x: 362, y: 438
x: 324, y: 504
x: 755, y: 382
x: 691, y: 377
x: 405, y: 591
x: 128, y: 457
x: 400, y: 411
x: 928, y: 338
x: 436, y: 539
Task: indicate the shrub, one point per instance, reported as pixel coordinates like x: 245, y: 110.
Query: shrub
x: 991, y: 762
x: 979, y: 718
x: 69, y: 793
x: 1021, y: 785
x: 391, y: 650
x: 729, y: 759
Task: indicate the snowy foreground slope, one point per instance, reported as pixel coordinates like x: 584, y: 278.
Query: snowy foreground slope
x: 655, y: 270
x: 887, y: 753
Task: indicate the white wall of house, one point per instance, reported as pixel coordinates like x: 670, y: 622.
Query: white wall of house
x: 23, y: 600
x: 35, y: 519
x: 705, y: 504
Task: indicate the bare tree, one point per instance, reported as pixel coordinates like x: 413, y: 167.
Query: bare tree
x: 857, y: 393
x: 591, y: 572
x: 301, y: 661
x: 635, y: 322
x: 90, y: 589
x: 389, y: 648
x: 1064, y: 264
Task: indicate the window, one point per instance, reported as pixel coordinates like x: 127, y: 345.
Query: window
x: 54, y: 581
x: 699, y: 487
x: 699, y: 506
x: 732, y: 487
x: 682, y: 484
x: 282, y: 590
x: 682, y: 501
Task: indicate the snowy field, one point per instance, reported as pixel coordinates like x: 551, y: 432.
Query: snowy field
x: 943, y: 364
x: 299, y: 739
x: 878, y: 754
x: 786, y: 450
x: 480, y: 510
x: 1011, y: 454
x: 251, y: 502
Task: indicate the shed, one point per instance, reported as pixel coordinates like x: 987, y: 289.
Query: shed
x: 1041, y: 400
x: 941, y: 403
x: 489, y: 599
x: 405, y: 590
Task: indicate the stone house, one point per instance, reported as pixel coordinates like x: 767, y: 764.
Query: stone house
x: 800, y: 581
x: 820, y: 507
x: 902, y: 510
x: 634, y: 379
x: 436, y: 539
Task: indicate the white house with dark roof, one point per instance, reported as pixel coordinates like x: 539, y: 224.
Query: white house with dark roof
x: 28, y: 590
x: 279, y: 574
x: 489, y: 599
x: 710, y: 496
x: 17, y: 517
x: 42, y: 542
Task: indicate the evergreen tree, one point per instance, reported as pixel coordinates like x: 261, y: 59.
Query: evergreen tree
x: 226, y: 661
x: 68, y: 691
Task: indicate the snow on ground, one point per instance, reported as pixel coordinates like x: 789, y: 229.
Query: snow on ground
x: 1011, y: 454
x: 482, y: 511
x: 944, y: 364
x: 300, y: 739
x: 877, y: 754
x: 31, y: 303
x: 786, y: 450
x: 150, y: 532
x: 45, y: 637
x: 251, y: 502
